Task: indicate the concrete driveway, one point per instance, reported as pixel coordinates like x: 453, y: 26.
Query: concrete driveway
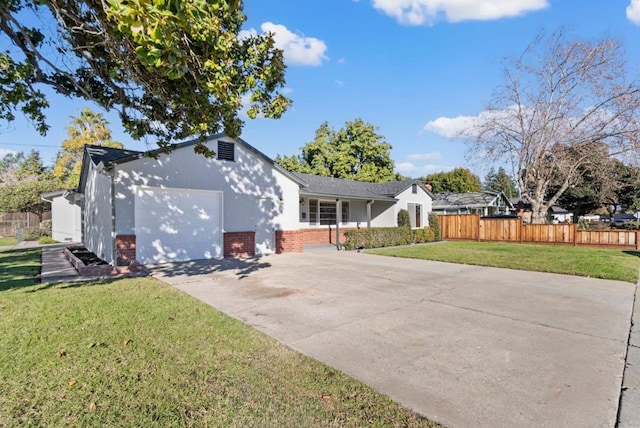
x: 463, y: 345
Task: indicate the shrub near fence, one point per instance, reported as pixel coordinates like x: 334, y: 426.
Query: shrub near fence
x: 386, y: 237
x: 473, y: 227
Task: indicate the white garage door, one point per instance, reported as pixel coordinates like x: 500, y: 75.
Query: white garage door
x: 177, y: 225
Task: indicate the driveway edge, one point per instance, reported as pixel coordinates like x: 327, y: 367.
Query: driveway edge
x: 628, y: 415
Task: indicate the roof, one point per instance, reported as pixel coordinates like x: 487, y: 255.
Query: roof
x: 338, y: 187
x: 330, y: 186
x: 469, y: 199
x: 110, y: 156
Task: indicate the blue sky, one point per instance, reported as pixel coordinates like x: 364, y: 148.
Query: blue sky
x: 398, y: 64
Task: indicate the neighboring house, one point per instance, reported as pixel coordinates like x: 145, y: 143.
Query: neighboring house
x: 66, y: 215
x: 555, y: 214
x: 484, y: 203
x: 160, y: 207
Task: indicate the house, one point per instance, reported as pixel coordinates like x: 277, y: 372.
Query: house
x: 66, y: 215
x: 484, y: 203
x: 157, y: 207
x: 555, y: 213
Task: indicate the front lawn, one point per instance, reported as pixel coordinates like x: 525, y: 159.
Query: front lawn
x: 581, y: 261
x: 8, y: 240
x: 136, y: 352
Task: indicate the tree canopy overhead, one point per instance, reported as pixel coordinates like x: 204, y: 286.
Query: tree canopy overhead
x: 458, y: 180
x: 171, y: 68
x: 561, y: 102
x: 355, y: 152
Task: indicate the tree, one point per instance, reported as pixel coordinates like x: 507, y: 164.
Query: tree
x: 560, y: 99
x: 500, y: 181
x: 172, y: 69
x: 87, y: 128
x: 16, y: 167
x: 24, y: 196
x: 355, y: 152
x: 458, y: 180
x: 9, y: 167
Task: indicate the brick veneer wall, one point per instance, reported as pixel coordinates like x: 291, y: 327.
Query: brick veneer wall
x: 239, y: 244
x: 289, y: 241
x: 125, y: 249
x: 323, y: 235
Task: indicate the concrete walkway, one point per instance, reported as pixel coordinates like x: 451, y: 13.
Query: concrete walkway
x: 56, y: 267
x: 463, y: 345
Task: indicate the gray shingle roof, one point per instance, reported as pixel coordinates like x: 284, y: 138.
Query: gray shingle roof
x: 330, y: 186
x: 457, y: 200
x: 108, y: 154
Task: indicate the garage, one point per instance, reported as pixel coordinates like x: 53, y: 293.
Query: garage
x: 174, y: 224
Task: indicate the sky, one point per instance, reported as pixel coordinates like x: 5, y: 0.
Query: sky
x: 416, y: 69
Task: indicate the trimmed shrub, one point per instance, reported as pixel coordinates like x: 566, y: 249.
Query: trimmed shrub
x: 35, y: 233
x: 45, y: 240
x: 386, y: 237
x: 403, y: 218
x: 46, y: 225
x: 434, y: 224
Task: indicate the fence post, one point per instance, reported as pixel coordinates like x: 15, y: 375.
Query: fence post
x: 637, y: 243
x: 478, y: 227
x: 575, y: 234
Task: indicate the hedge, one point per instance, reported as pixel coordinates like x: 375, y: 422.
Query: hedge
x: 386, y: 237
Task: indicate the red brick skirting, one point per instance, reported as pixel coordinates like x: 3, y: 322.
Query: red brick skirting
x: 101, y: 270
x: 125, y: 249
x: 239, y: 244
x: 323, y: 235
x: 289, y: 241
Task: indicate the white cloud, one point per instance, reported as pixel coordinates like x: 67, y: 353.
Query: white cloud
x: 419, y: 12
x: 406, y: 168
x: 342, y: 60
x: 298, y: 49
x: 633, y: 11
x: 425, y: 156
x: 339, y: 83
x: 455, y: 127
x: 4, y: 152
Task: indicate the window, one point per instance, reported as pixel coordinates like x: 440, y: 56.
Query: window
x: 327, y: 213
x: 345, y: 212
x: 313, y: 211
x: 226, y: 151
x: 414, y: 188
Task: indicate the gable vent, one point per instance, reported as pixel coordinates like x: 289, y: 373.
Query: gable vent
x: 226, y: 151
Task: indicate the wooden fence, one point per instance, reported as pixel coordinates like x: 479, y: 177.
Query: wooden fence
x: 11, y: 222
x: 473, y: 227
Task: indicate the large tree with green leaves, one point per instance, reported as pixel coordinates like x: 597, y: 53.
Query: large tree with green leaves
x: 17, y: 167
x: 25, y: 196
x: 87, y: 128
x: 355, y: 152
x: 171, y: 68
x: 458, y: 180
x: 500, y: 181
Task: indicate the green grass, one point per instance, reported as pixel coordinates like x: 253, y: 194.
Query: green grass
x: 581, y: 261
x: 8, y: 241
x: 136, y: 352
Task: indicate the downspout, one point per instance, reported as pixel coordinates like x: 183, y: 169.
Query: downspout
x: 369, y: 203
x: 114, y: 256
x: 338, y: 218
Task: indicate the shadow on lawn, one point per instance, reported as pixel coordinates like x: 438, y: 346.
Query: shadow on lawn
x: 243, y: 267
x: 632, y: 253
x: 19, y: 268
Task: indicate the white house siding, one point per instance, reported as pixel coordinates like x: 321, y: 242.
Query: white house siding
x: 256, y: 196
x: 66, y: 222
x: 98, y: 234
x: 383, y: 214
x: 422, y: 198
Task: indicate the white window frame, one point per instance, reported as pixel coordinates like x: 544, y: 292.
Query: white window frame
x: 318, y: 221
x: 411, y: 207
